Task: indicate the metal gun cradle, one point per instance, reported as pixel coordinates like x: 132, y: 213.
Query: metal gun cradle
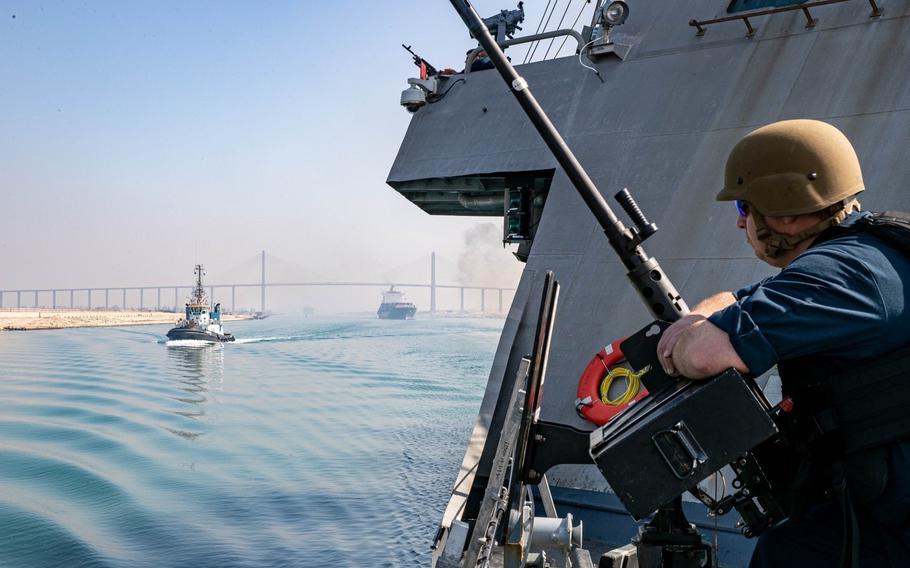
x: 680, y: 436
x: 652, y: 452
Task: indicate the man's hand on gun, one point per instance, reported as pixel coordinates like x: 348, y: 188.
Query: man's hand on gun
x: 693, y: 347
x: 670, y: 338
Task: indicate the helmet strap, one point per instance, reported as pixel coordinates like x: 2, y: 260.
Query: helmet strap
x: 776, y: 244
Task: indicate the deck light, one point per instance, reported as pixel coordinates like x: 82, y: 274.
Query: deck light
x: 607, y: 17
x: 615, y: 13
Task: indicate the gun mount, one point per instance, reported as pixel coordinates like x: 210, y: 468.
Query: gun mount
x: 504, y: 24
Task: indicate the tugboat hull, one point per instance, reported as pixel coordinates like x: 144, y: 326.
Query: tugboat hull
x: 179, y: 333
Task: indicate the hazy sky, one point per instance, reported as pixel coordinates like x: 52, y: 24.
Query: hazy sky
x: 141, y: 137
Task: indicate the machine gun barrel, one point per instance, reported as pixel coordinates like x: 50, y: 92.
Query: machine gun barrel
x: 654, y: 288
x: 644, y: 272
x: 418, y: 61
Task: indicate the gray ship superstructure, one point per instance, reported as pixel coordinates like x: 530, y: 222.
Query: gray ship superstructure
x: 676, y: 86
x: 201, y: 322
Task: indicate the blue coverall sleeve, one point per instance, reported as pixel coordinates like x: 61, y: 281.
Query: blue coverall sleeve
x: 826, y: 301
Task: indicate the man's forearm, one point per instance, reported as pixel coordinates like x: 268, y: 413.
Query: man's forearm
x: 713, y: 303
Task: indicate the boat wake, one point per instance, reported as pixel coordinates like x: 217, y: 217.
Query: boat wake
x: 201, y: 343
x: 260, y: 339
x: 187, y: 343
x: 276, y: 338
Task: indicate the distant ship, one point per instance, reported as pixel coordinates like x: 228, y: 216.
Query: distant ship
x: 394, y: 307
x: 200, y: 323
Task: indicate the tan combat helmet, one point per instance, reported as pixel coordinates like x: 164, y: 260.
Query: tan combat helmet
x: 793, y: 167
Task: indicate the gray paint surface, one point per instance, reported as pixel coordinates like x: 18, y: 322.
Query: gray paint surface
x: 662, y: 125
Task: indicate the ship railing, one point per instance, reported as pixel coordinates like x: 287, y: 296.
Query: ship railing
x: 472, y: 55
x: 750, y: 31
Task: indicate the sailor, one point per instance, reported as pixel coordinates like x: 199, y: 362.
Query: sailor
x: 836, y: 322
x: 481, y: 62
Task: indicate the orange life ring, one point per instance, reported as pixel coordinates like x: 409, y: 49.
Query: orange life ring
x: 592, y: 402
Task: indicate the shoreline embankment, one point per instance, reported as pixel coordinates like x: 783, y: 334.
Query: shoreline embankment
x: 38, y: 319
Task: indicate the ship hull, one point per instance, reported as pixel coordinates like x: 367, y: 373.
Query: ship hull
x: 662, y: 122
x: 182, y: 334
x: 396, y: 312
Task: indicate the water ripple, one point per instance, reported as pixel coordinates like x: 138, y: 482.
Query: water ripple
x: 307, y: 442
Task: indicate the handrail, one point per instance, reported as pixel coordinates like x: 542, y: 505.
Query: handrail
x: 810, y: 21
x: 472, y: 55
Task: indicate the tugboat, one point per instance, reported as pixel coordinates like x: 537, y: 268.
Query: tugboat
x: 200, y: 323
x: 393, y: 306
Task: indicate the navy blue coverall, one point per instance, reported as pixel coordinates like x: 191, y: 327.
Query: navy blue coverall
x: 845, y: 301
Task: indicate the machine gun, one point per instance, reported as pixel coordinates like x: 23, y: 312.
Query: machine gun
x: 426, y: 69
x: 684, y: 447
x: 504, y: 24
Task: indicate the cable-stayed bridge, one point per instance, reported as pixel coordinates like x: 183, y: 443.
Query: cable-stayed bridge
x: 159, y: 296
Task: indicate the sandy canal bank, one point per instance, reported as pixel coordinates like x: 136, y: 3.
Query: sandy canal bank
x: 21, y: 320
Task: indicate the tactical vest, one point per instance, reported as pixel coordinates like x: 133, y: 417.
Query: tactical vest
x: 847, y: 415
x: 844, y: 421
x: 893, y: 227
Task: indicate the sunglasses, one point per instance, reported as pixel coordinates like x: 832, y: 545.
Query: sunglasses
x: 742, y: 207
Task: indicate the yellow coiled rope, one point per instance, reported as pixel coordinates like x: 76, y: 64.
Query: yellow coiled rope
x: 633, y: 385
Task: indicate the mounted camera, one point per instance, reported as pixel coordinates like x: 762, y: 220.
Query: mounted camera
x: 413, y: 98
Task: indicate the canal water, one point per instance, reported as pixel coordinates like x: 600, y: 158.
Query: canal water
x: 308, y: 442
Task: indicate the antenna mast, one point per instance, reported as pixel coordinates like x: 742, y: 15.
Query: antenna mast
x: 199, y: 291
